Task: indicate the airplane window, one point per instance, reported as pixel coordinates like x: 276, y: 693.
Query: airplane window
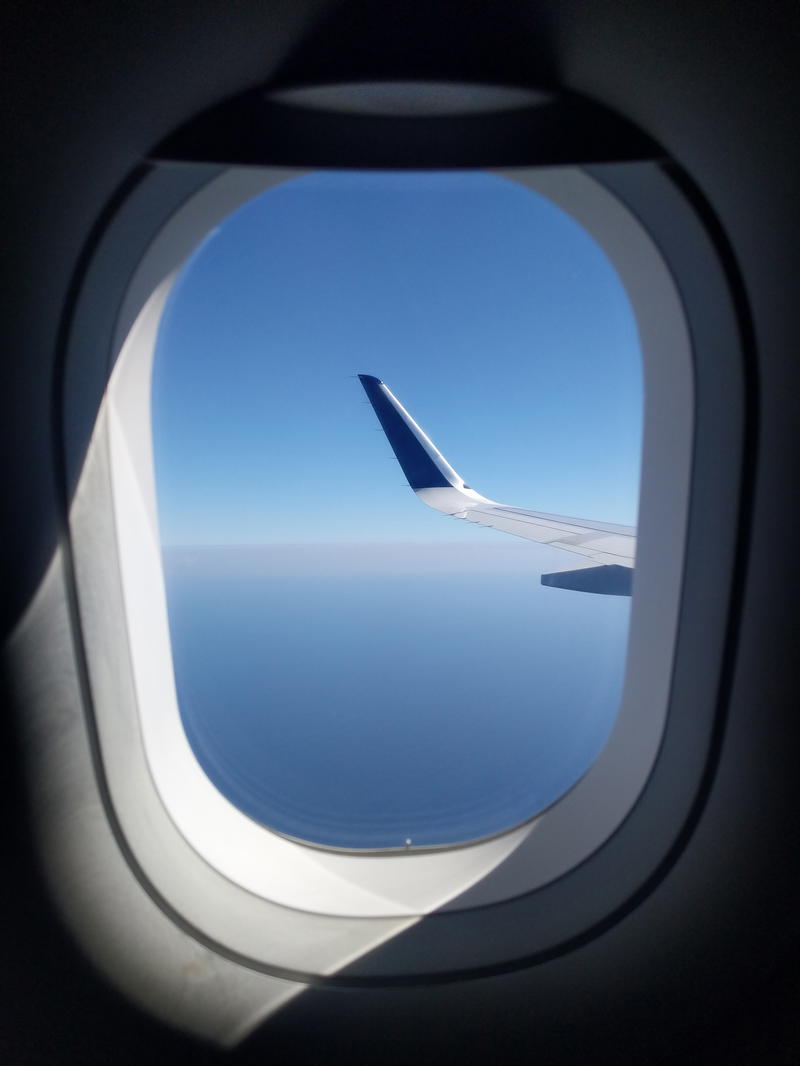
x: 368, y: 651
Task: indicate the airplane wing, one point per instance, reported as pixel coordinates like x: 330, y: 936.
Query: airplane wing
x: 611, y: 548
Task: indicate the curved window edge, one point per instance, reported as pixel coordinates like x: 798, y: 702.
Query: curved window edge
x: 400, y: 885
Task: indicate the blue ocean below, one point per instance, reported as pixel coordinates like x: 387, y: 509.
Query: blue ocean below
x: 364, y: 711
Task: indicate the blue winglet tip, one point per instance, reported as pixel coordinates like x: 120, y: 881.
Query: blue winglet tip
x: 418, y: 466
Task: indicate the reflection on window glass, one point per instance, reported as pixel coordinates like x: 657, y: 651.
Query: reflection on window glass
x: 354, y: 668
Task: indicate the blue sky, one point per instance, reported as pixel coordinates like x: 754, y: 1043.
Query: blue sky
x: 496, y: 320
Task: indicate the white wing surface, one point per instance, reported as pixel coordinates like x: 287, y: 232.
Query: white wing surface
x: 611, y: 548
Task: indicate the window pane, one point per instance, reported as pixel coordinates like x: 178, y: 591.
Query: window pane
x: 354, y: 668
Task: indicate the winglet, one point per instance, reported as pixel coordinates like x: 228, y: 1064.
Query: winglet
x: 422, y: 462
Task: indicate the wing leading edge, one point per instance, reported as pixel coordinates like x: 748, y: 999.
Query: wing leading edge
x: 611, y: 548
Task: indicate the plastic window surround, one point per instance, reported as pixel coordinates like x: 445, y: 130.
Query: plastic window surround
x: 155, y: 782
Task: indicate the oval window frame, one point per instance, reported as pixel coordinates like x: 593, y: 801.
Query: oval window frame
x: 101, y: 599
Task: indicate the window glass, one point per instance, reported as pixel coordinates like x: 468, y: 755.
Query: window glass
x: 353, y: 668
